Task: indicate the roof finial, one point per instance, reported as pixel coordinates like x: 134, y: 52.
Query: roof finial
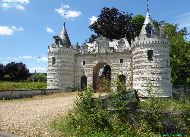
x: 64, y: 24
x: 148, y: 9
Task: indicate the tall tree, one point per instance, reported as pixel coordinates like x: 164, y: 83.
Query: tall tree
x: 16, y: 71
x: 113, y: 24
x: 1, y: 71
x: 137, y: 22
x: 179, y: 54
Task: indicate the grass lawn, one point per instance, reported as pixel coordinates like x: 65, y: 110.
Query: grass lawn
x: 22, y: 85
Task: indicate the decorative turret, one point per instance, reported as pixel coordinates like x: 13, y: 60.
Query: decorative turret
x: 64, y: 36
x: 151, y: 61
x: 61, y: 58
x: 148, y: 28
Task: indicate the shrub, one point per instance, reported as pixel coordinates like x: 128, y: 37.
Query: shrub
x: 121, y: 118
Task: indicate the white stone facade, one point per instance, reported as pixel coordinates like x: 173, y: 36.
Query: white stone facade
x: 145, y: 63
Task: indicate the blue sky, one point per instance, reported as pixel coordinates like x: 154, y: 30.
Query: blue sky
x: 27, y: 26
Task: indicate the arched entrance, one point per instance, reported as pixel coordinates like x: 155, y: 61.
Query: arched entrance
x: 83, y: 82
x: 101, y: 77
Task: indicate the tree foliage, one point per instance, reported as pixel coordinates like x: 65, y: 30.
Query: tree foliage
x: 113, y: 24
x: 179, y: 54
x: 39, y: 77
x: 1, y: 71
x: 137, y: 22
x: 14, y: 72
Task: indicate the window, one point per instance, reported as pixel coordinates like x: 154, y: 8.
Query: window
x: 53, y: 60
x: 149, y: 30
x: 121, y: 60
x: 150, y: 55
x: 83, y: 63
x: 168, y: 63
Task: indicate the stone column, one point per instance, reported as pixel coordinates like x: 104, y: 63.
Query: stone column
x: 89, y: 75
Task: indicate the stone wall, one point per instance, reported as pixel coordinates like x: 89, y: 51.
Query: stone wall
x: 155, y: 73
x: 61, y: 71
x: 111, y: 59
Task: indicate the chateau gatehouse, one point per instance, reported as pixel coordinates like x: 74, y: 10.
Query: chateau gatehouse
x: 145, y: 60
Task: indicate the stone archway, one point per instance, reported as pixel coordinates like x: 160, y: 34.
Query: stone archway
x: 101, y: 77
x: 83, y: 82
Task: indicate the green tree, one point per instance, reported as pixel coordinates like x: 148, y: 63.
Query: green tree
x: 1, y: 71
x: 137, y: 22
x: 179, y: 54
x: 16, y: 71
x: 39, y: 77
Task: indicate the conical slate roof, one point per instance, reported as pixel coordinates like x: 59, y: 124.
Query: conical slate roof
x: 148, y: 22
x: 64, y: 36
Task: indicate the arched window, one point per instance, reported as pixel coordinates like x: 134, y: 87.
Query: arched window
x: 83, y: 82
x: 149, y: 30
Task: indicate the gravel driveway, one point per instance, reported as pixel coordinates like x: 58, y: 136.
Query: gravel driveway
x: 31, y: 117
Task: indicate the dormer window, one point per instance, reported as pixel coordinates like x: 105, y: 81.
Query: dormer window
x: 149, y: 30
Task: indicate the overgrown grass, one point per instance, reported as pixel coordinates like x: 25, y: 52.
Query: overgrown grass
x: 121, y: 114
x: 91, y: 119
x: 22, y: 85
x: 165, y: 104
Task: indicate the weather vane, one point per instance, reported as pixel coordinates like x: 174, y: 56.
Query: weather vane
x: 148, y: 6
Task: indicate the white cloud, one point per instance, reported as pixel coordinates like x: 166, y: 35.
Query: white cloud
x: 38, y: 59
x: 4, y: 62
x: 5, y: 5
x: 38, y: 69
x: 20, y: 7
x: 9, y: 30
x: 17, y: 4
x: 49, y: 30
x: 8, y: 57
x: 93, y: 19
x: 66, y: 13
x: 66, y: 6
x: 42, y: 59
x: 25, y: 57
x: 183, y: 20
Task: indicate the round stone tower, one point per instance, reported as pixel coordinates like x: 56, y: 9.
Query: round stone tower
x: 151, y: 61
x: 61, y: 63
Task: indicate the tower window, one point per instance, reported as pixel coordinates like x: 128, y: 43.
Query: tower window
x: 53, y: 60
x: 150, y: 55
x: 83, y: 63
x: 149, y: 30
x: 121, y: 60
